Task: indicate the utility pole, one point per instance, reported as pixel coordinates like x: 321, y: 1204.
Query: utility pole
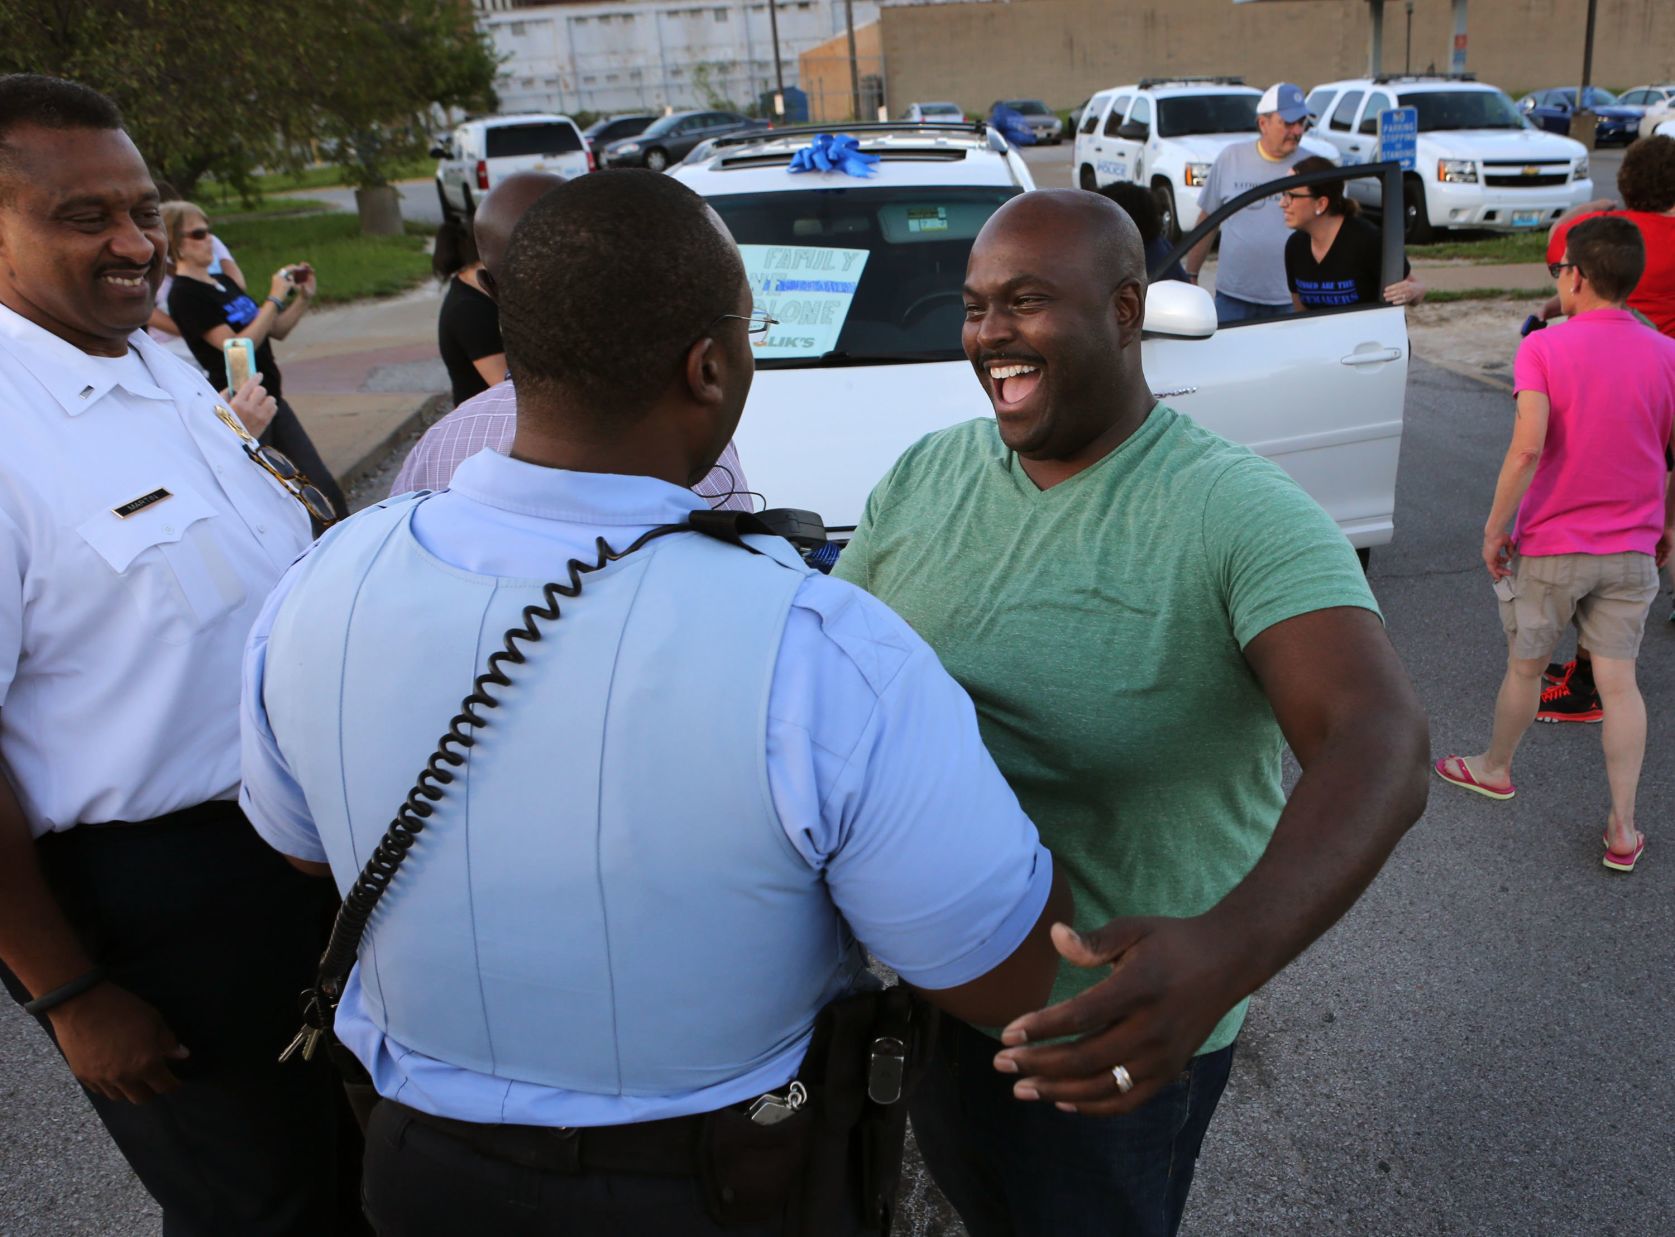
x: 854, y: 63
x: 1375, y: 57
x: 1587, y: 58
x: 1407, y: 59
x: 779, y: 69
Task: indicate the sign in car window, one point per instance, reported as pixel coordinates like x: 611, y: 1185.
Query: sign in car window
x: 1398, y: 136
x: 809, y: 288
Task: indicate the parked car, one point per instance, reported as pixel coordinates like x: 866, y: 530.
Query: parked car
x: 1656, y: 104
x: 607, y: 129
x: 669, y: 139
x: 937, y: 113
x: 865, y: 277
x: 1478, y: 163
x: 1552, y: 110
x: 484, y: 151
x: 1041, y: 119
x: 1166, y: 133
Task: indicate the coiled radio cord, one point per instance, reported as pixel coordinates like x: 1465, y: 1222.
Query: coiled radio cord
x: 320, y: 1002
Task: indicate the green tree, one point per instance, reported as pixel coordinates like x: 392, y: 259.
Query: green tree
x: 226, y: 88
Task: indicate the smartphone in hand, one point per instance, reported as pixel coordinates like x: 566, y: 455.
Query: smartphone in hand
x: 240, y: 355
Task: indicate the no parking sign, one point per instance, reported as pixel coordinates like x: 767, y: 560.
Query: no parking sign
x: 1398, y: 136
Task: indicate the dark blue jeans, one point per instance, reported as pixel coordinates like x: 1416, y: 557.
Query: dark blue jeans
x: 1016, y: 1169
x: 1231, y: 309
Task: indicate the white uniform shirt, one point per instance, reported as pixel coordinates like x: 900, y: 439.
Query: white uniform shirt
x: 121, y: 637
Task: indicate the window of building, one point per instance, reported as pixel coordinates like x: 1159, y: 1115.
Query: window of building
x: 720, y: 14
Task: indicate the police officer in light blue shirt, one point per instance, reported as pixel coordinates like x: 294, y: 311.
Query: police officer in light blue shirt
x: 709, y: 782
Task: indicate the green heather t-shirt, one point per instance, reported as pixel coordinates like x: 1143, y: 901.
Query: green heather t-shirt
x: 1098, y: 627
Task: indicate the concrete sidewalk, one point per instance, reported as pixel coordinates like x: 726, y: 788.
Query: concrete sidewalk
x: 1460, y: 276
x: 361, y: 375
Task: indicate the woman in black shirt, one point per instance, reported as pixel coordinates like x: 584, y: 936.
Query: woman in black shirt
x: 1334, y: 257
x: 468, y: 328
x: 211, y: 309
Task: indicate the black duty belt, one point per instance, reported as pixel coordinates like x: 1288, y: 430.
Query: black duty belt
x: 661, y: 1148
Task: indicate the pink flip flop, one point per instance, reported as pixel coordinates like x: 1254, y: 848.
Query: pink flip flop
x: 1619, y: 862
x: 1466, y: 781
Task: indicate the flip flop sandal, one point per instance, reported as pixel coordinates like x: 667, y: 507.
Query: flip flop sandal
x: 1466, y: 781
x: 1619, y: 862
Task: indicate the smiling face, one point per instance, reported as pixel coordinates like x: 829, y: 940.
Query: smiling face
x: 81, y: 235
x: 1053, y: 303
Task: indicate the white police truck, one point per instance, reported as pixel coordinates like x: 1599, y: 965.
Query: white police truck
x: 1165, y: 133
x: 1478, y: 163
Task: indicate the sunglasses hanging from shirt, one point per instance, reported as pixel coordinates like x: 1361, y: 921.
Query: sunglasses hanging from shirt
x: 279, y: 466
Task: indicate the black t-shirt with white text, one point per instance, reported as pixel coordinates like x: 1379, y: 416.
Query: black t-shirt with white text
x: 1351, y: 273
x: 198, y: 308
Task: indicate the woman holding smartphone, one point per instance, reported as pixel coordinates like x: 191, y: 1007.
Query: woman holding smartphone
x: 211, y: 308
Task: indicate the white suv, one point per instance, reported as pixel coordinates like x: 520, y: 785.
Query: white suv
x: 1478, y: 164
x: 1165, y: 133
x: 481, y: 153
x: 865, y: 277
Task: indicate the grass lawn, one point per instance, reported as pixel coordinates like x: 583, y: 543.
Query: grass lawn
x: 1486, y: 249
x: 350, y: 266
x: 1439, y: 296
x: 326, y: 177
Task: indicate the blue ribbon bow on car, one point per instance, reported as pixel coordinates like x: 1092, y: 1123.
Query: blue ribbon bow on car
x: 838, y: 152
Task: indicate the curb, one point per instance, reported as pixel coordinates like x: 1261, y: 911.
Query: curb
x: 423, y: 414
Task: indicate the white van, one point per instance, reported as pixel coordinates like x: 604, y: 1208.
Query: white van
x: 481, y: 153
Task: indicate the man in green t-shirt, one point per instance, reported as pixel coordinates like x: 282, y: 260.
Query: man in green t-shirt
x: 1144, y: 615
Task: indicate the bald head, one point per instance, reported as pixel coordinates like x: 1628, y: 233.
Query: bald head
x: 1055, y: 296
x: 1073, y: 221
x: 499, y: 212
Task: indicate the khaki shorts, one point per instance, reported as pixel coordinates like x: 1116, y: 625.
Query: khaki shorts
x: 1609, y: 594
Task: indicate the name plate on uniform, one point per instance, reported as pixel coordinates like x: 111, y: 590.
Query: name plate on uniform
x: 136, y: 505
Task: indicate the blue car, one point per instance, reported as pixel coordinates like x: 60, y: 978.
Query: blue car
x: 1552, y: 109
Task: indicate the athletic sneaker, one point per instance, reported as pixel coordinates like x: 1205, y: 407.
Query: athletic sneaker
x: 1557, y: 673
x: 1560, y: 704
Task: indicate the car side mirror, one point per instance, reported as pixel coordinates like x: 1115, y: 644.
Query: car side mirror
x: 1179, y: 310
x: 438, y: 151
x: 1134, y: 131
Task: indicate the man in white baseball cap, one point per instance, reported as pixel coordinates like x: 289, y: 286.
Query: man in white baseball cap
x: 1250, y: 275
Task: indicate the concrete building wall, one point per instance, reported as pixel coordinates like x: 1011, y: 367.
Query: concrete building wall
x: 652, y: 54
x: 1064, y: 50
x: 823, y: 72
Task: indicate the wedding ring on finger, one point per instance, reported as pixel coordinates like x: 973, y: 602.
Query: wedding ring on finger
x: 1123, y: 1079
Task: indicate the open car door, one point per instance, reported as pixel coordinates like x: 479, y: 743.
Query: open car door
x: 1320, y: 393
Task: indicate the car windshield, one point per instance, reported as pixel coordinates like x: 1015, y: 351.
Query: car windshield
x: 663, y: 124
x: 1463, y: 109
x: 862, y: 275
x: 552, y: 138
x: 1206, y: 113
x: 1027, y: 107
x: 939, y: 109
x: 1596, y: 97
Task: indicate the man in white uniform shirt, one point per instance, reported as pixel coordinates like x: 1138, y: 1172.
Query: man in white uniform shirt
x: 142, y: 921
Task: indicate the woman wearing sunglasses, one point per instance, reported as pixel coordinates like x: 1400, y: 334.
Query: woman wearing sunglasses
x: 211, y: 308
x: 1334, y: 257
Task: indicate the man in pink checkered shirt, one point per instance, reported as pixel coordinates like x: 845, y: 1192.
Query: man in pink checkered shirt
x: 487, y: 421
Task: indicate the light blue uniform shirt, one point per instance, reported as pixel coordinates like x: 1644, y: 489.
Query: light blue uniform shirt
x: 874, y: 763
